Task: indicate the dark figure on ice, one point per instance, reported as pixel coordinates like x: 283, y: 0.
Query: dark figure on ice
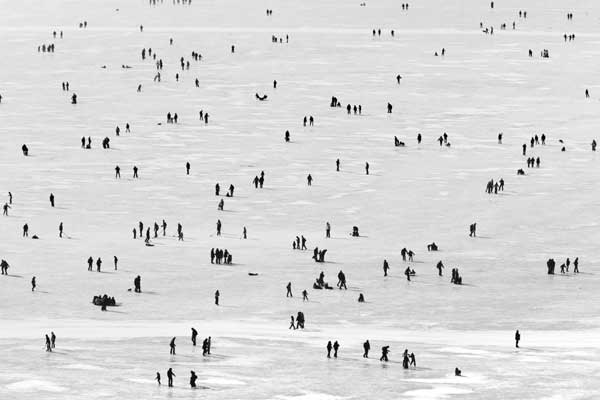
x: 517, y: 338
x: 366, y: 348
x: 137, y: 283
x: 217, y: 294
x: 193, y: 378
x: 329, y: 347
x: 194, y: 336
x: 170, y: 376
x: 172, y: 346
x: 289, y: 290
x: 385, y: 350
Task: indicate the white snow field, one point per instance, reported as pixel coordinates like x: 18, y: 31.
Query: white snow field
x: 485, y: 84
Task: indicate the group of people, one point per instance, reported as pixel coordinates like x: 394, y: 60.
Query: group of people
x: 104, y: 301
x: 564, y: 267
x: 494, y: 187
x: 220, y: 256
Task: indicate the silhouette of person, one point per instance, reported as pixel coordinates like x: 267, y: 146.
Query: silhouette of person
x: 172, y: 346
x: 170, y: 376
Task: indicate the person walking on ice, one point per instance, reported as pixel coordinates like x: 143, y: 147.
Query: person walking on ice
x: 517, y: 338
x: 172, y: 346
x: 289, y: 290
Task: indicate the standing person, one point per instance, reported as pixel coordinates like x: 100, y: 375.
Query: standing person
x: 413, y: 360
x: 366, y: 347
x: 170, y: 376
x: 327, y: 230
x: 135, y: 171
x: 194, y: 336
x: 292, y: 323
x: 33, y: 284
x: 384, y: 353
x: 517, y: 338
x: 245, y: 233
x: 218, y: 227
x: 25, y: 230
x: 187, y: 168
x: 193, y: 378
x: 48, y: 344
x: 309, y: 179
x: 60, y: 230
x: 172, y: 346
x: 157, y: 378
x: 367, y: 168
x: 137, y: 283
x: 98, y: 264
x: 52, y: 199
x: 116, y: 260
x: 52, y: 339
x: 117, y: 172
x: 576, y: 265
x: 337, y: 165
x: 329, y: 347
x: 336, y: 346
x: 289, y: 290
x: 5, y: 209
x: 208, y: 344
x: 164, y: 227
x: 90, y: 262
x: 386, y: 267
x: 304, y: 295
x: 217, y: 294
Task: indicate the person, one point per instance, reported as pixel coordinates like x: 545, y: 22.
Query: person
x: 292, y: 323
x: 407, y: 273
x: 336, y: 346
x: 4, y: 266
x: 51, y: 199
x: 287, y: 136
x: 367, y: 168
x: 274, y: 84
x: 52, y: 339
x: 135, y: 171
x: 193, y: 378
x: 329, y: 346
x: 398, y: 77
x: 413, y: 360
x: 386, y: 267
x: 170, y: 376
x: 384, y: 353
x: 309, y: 179
x: 245, y: 233
x: 60, y: 230
x: 337, y: 165
x: 157, y: 379
x: 5, y: 209
x: 172, y: 346
x: 115, y: 260
x: 25, y: 230
x: 217, y: 294
x: 576, y: 265
x: 164, y: 227
x: 587, y: 94
x: 419, y: 137
x: 517, y: 338
x: 117, y: 172
x: 25, y: 150
x: 48, y: 345
x: 304, y: 295
x: 218, y: 227
x: 194, y: 336
x: 98, y: 264
x: 389, y: 108
x: 137, y: 282
x: 187, y: 168
x: 366, y: 347
x: 361, y: 298
x: 33, y: 284
x: 457, y: 372
x: 439, y: 267
x: 289, y: 290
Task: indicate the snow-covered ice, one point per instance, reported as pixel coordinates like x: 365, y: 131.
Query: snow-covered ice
x: 485, y: 84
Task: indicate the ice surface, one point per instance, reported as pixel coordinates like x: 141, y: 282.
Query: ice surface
x: 414, y: 195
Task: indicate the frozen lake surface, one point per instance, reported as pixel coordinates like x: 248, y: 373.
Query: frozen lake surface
x: 415, y: 195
